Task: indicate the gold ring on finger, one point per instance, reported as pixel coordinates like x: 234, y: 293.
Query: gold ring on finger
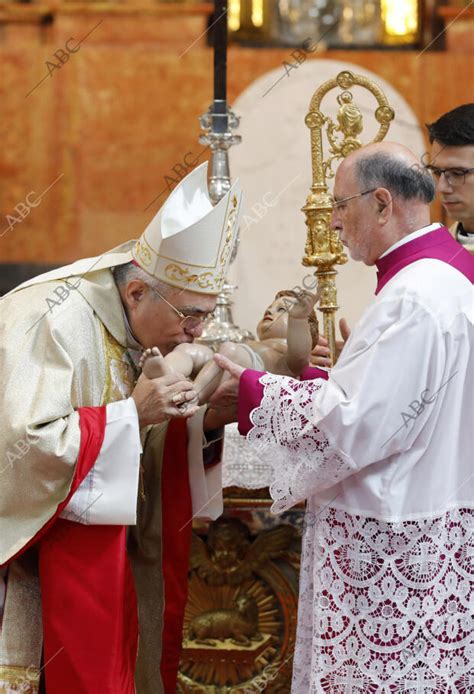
x: 178, y: 398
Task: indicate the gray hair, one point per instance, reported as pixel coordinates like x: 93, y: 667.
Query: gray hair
x: 129, y: 271
x: 409, y: 182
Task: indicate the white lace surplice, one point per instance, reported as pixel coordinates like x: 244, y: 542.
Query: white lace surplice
x: 387, y: 576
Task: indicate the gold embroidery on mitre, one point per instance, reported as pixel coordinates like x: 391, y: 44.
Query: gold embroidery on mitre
x: 178, y: 273
x: 229, y: 226
x: 21, y: 679
x: 142, y: 253
x: 219, y: 279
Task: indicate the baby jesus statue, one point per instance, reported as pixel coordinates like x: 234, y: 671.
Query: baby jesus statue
x: 287, y: 333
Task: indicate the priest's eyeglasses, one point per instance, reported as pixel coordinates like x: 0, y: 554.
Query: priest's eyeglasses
x: 338, y: 203
x: 454, y: 177
x: 187, y: 321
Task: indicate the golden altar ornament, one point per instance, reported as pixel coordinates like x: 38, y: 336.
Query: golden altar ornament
x: 240, y: 619
x: 323, y: 249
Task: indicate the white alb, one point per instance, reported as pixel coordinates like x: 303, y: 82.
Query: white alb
x: 383, y: 454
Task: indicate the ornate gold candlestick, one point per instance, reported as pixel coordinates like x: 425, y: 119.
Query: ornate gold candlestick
x: 323, y: 249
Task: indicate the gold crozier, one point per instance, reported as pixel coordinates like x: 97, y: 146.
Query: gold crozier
x: 323, y: 249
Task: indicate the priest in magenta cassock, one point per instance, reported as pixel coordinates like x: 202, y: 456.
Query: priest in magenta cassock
x: 381, y: 450
x: 85, y: 571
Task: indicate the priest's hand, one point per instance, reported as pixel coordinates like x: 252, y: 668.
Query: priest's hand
x: 225, y: 398
x: 320, y: 353
x: 160, y: 399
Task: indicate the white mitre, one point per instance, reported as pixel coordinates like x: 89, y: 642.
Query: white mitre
x: 188, y: 243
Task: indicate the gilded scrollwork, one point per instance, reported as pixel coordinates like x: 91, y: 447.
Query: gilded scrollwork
x: 229, y: 231
x: 176, y: 272
x: 240, y: 619
x: 315, y: 119
x: 349, y: 125
x: 384, y: 114
x: 345, y: 79
x: 142, y: 253
x: 323, y: 249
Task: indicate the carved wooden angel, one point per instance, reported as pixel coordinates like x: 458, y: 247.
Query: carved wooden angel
x: 230, y: 556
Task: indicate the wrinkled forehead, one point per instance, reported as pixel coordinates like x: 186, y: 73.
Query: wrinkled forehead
x: 185, y: 298
x: 345, y: 179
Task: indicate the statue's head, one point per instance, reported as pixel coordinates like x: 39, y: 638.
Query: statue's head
x: 274, y: 323
x: 228, y: 540
x: 247, y: 606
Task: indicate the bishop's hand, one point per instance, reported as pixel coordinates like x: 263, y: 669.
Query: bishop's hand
x: 160, y: 399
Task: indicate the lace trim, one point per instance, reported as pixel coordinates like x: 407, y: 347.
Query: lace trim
x: 386, y: 607
x: 302, y: 458
x: 241, y: 465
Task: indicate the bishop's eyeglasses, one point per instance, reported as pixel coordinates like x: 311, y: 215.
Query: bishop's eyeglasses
x: 454, y: 177
x: 186, y: 320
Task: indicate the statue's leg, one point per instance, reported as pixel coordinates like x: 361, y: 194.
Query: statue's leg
x: 207, y: 381
x: 154, y: 365
x: 181, y: 360
x: 211, y: 375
